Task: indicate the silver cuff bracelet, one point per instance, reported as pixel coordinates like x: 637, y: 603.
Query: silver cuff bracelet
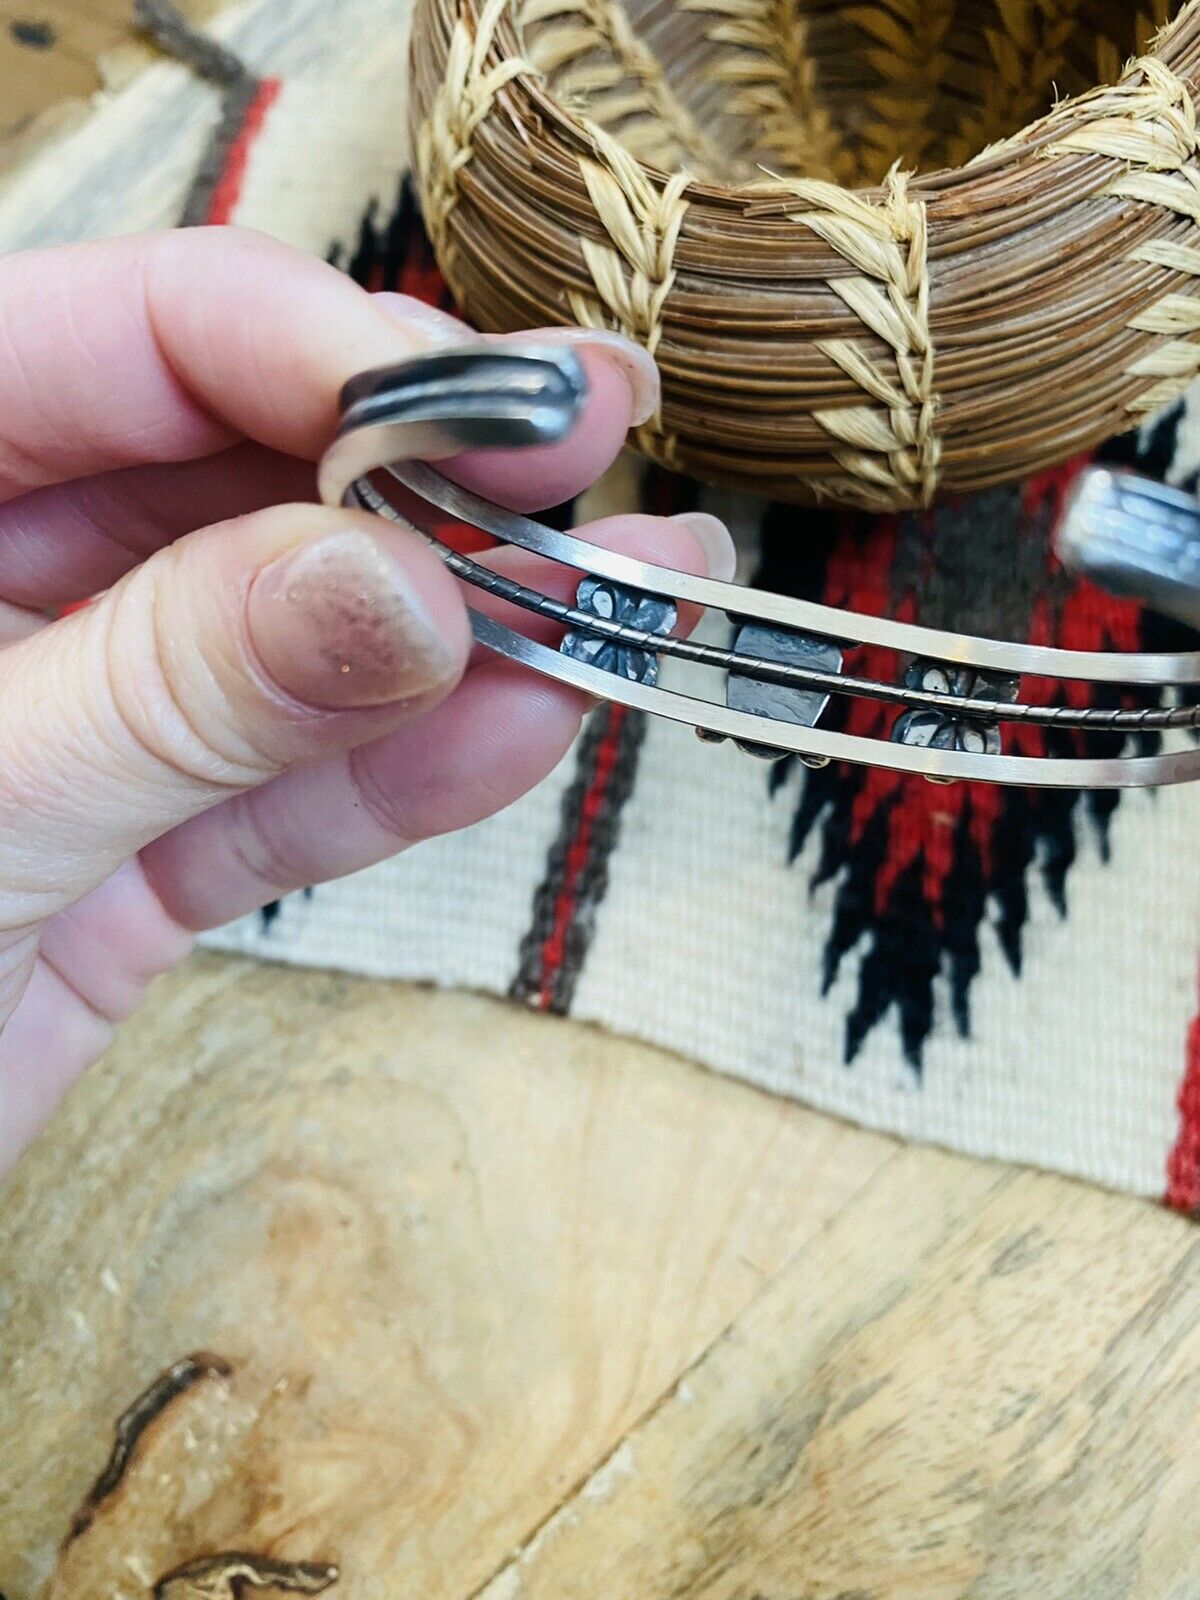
x: 772, y: 684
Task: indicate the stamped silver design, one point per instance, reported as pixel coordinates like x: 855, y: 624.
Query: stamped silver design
x: 613, y: 603
x: 1137, y: 538
x: 771, y: 685
x: 780, y: 702
x: 945, y: 729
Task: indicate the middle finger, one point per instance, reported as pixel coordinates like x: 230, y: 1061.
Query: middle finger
x: 68, y: 541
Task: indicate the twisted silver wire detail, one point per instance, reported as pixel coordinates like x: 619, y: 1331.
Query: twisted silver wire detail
x: 1087, y: 719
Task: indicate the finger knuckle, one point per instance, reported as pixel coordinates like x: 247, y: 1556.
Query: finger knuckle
x: 163, y: 689
x: 389, y: 808
x: 275, y: 863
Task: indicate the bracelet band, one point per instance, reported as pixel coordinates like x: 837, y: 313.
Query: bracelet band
x: 786, y: 659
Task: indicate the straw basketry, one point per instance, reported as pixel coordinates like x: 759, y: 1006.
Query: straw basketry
x: 880, y: 250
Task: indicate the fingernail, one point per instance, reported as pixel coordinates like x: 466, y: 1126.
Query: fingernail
x: 338, y: 624
x: 636, y: 366
x: 714, y: 538
x: 434, y: 326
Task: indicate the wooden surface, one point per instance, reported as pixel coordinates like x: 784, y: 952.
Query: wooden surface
x: 495, y: 1306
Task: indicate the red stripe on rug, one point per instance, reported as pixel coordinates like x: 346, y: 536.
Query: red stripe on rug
x: 1183, y: 1164
x: 554, y: 945
x: 227, y: 190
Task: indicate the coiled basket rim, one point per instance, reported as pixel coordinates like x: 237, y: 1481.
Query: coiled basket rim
x: 876, y: 346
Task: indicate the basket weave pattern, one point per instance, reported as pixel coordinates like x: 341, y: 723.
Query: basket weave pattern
x: 866, y: 273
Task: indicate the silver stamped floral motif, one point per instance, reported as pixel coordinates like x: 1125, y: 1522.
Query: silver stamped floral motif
x: 632, y: 608
x: 937, y: 729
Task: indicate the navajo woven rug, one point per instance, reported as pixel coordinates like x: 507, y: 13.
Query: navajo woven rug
x: 1011, y: 973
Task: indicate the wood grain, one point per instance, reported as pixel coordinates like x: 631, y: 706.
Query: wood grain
x: 515, y: 1311
x: 450, y: 1251
x: 973, y: 1384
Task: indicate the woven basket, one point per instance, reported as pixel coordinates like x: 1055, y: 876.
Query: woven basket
x: 725, y: 180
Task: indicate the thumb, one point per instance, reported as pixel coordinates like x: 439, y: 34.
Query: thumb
x: 272, y: 640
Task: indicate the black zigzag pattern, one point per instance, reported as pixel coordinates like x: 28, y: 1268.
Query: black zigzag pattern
x: 916, y: 934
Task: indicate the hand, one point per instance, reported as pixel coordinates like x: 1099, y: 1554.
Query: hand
x: 265, y: 693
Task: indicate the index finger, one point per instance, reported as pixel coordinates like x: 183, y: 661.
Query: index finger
x: 171, y: 346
